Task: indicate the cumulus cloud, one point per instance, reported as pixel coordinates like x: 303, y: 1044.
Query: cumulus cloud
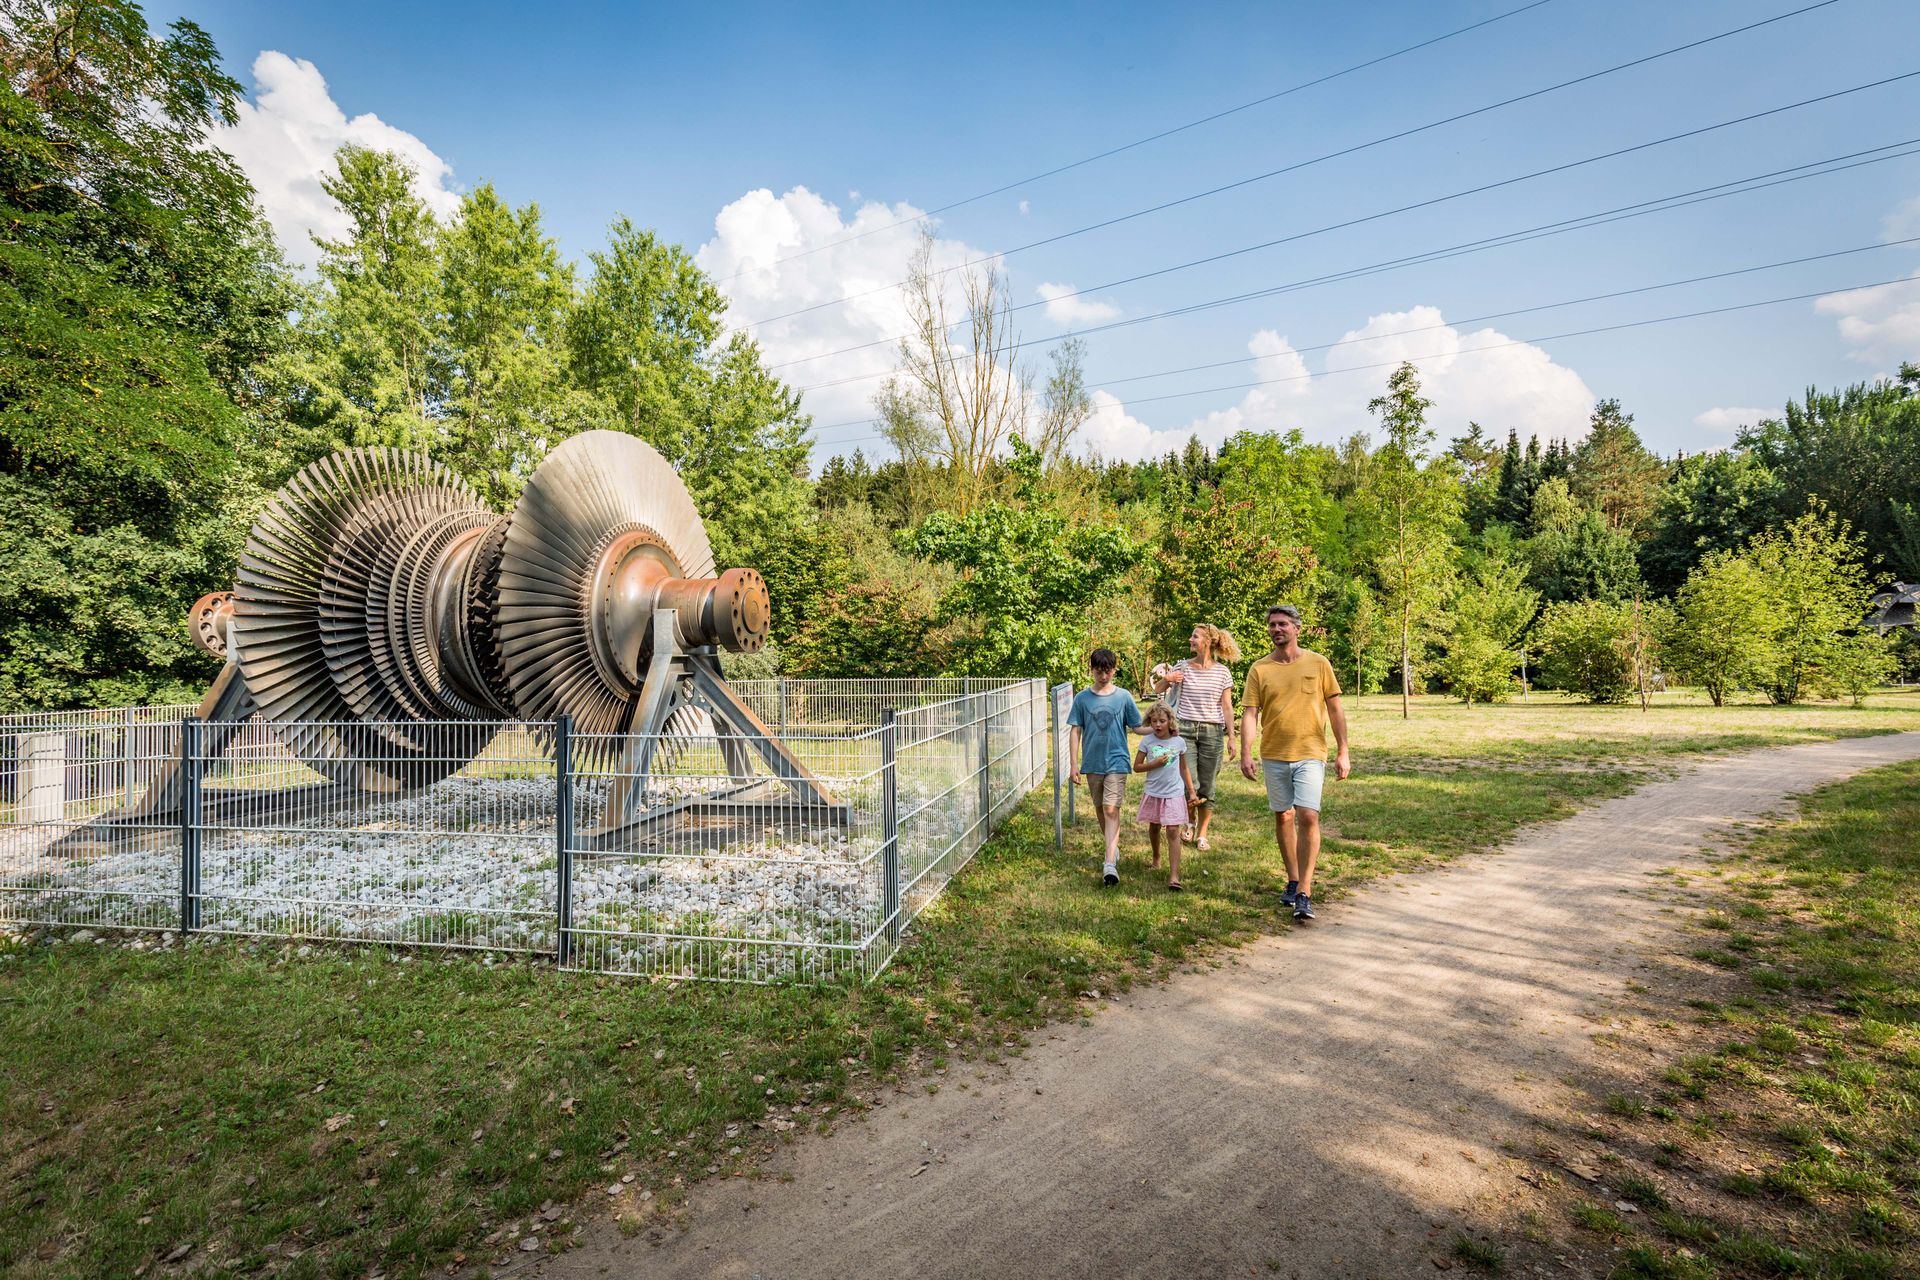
x: 1481, y: 376
x: 1025, y: 208
x: 1726, y: 420
x: 1881, y: 323
x: 828, y: 256
x: 1069, y: 311
x: 285, y: 138
x: 1903, y: 223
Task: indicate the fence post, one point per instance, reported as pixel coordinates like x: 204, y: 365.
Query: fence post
x: 563, y: 836
x: 889, y: 825
x: 190, y: 815
x: 780, y: 715
x: 1055, y: 744
x: 986, y: 766
x: 1072, y: 790
x: 126, y: 755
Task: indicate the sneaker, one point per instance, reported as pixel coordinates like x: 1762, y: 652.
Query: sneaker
x: 1291, y: 893
x: 1110, y: 874
x: 1302, y: 907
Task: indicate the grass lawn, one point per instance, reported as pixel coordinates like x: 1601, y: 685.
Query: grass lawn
x: 234, y: 1108
x: 1774, y: 1128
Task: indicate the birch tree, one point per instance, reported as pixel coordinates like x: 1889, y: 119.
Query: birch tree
x: 1413, y: 503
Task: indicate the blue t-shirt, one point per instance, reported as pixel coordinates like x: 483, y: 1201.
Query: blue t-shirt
x: 1103, y: 721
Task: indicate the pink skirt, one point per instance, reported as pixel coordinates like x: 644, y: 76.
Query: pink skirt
x: 1165, y: 811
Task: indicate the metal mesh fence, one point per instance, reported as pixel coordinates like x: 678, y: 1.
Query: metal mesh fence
x: 694, y: 855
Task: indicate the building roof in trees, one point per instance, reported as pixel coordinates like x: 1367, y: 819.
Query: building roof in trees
x: 1894, y: 608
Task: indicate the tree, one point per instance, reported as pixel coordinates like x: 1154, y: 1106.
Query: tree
x: 644, y: 340
x: 1642, y: 636
x: 139, y: 293
x: 956, y: 408
x: 1572, y: 553
x: 1481, y: 463
x: 1217, y: 564
x: 1489, y: 612
x: 1722, y: 625
x: 1817, y: 593
x: 1581, y: 651
x: 1858, y: 664
x: 1065, y: 403
x: 1612, y: 472
x: 1413, y: 504
x: 1710, y: 502
x: 1028, y: 577
x: 369, y: 369
x: 505, y: 294
x: 1850, y: 451
x: 863, y: 630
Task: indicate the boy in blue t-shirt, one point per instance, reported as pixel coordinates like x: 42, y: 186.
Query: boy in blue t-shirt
x: 1100, y: 719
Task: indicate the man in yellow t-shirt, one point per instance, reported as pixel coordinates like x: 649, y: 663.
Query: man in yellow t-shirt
x: 1292, y: 696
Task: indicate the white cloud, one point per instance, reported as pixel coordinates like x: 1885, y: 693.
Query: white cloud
x: 1880, y: 323
x: 753, y: 233
x: 1025, y: 208
x: 285, y: 139
x: 1726, y: 420
x: 1069, y: 310
x: 1904, y: 222
x: 1482, y: 376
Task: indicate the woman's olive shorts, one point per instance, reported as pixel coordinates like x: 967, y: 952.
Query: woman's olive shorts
x: 1209, y: 743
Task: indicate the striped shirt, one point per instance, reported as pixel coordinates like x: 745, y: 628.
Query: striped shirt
x: 1198, y: 695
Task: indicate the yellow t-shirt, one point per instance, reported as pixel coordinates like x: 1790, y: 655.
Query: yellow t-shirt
x: 1292, y: 700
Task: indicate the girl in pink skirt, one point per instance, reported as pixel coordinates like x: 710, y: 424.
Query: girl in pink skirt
x: 1163, y: 758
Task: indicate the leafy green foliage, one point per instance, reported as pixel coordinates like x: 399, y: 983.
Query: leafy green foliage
x: 138, y: 292
x: 1722, y: 629
x: 1816, y: 596
x: 1028, y: 578
x: 1489, y: 612
x: 1579, y: 643
x: 1411, y: 505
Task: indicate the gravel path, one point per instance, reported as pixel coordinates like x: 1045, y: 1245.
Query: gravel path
x: 1320, y: 1107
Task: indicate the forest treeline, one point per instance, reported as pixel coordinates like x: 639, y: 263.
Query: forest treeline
x: 162, y: 370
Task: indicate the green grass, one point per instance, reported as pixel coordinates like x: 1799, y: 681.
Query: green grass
x: 1821, y: 1080
x: 362, y: 1108
x: 1482, y: 1255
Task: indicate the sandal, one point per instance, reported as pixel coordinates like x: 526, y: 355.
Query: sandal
x: 1202, y: 845
x: 1175, y: 885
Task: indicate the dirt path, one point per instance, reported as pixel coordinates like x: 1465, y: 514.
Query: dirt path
x: 1331, y: 1103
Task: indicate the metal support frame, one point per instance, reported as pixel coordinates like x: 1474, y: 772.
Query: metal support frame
x: 190, y: 819
x: 890, y: 823
x: 677, y: 678
x: 563, y: 835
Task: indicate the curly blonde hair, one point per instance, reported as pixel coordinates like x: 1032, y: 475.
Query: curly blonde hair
x: 1163, y: 709
x: 1220, y: 642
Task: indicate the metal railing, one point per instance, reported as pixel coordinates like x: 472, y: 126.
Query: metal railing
x: 691, y: 855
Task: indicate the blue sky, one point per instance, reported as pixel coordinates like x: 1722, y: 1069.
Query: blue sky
x: 674, y: 116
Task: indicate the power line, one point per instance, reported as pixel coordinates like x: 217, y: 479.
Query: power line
x: 1303, y: 164
x: 1138, y: 142
x: 1419, y: 204
x: 1544, y: 306
x: 1500, y: 346
x: 1662, y: 204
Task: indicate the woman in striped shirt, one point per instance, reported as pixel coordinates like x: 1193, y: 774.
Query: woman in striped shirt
x: 1203, y: 700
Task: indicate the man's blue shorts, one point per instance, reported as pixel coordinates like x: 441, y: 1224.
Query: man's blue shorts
x: 1294, y: 784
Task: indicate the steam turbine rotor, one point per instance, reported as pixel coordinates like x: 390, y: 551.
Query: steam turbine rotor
x: 604, y: 535
x: 381, y: 607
